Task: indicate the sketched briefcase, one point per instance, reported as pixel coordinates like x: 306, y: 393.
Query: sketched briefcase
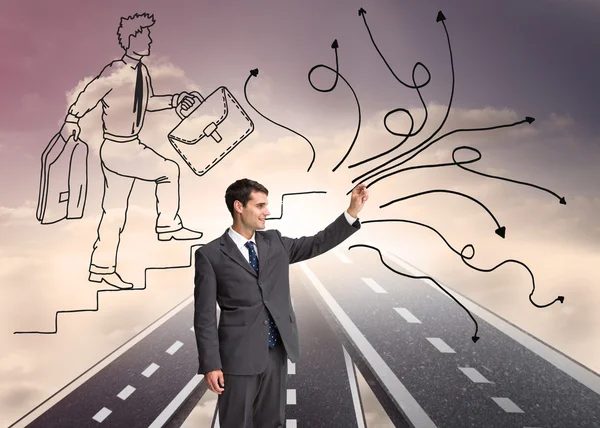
x: 63, y: 180
x: 210, y: 130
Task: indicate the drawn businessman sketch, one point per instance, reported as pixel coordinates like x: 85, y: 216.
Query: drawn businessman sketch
x: 124, y: 157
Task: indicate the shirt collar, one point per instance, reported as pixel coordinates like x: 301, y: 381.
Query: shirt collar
x: 130, y: 61
x: 239, y: 240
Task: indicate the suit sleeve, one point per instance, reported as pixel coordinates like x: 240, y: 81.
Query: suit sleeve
x: 307, y: 247
x: 205, y: 314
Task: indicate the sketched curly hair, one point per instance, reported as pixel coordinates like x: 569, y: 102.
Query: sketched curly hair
x: 133, y: 25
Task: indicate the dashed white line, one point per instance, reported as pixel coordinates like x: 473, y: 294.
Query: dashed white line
x: 343, y: 258
x: 507, y: 405
x: 291, y: 396
x: 291, y: 367
x: 441, y: 345
x: 126, y: 392
x: 474, y: 375
x: 102, y: 414
x: 174, y: 347
x: 291, y: 423
x: 376, y: 287
x: 399, y: 394
x: 407, y: 315
x: 150, y: 370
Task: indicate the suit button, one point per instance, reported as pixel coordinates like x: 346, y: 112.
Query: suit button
x: 265, y: 322
x: 266, y: 301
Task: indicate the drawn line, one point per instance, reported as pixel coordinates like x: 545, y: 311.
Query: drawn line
x: 254, y: 73
x: 335, y: 47
x: 111, y: 290
x: 286, y: 194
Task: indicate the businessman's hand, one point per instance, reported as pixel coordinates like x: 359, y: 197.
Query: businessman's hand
x: 185, y: 99
x: 359, y: 196
x: 215, y: 381
x: 70, y: 129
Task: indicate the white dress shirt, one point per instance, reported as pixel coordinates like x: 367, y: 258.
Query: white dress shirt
x: 240, y: 241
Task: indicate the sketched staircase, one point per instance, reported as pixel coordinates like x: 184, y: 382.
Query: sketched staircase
x: 108, y: 290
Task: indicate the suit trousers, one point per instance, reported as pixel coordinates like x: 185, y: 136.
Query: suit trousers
x: 256, y: 401
x: 122, y: 163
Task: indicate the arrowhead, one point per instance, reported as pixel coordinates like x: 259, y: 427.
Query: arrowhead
x: 561, y: 298
x: 562, y: 201
x: 335, y: 45
x: 361, y: 12
x: 529, y: 119
x: 254, y: 72
x: 440, y: 17
x: 475, y: 339
x: 501, y: 231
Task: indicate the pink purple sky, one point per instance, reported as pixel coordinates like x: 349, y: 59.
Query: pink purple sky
x: 512, y: 59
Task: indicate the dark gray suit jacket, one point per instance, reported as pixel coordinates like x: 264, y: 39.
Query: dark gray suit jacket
x: 222, y: 275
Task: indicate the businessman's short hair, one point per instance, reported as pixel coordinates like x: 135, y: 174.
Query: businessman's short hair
x: 133, y: 25
x: 240, y: 191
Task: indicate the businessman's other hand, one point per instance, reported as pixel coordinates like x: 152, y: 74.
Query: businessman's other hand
x: 70, y: 129
x: 359, y: 196
x: 185, y: 99
x: 215, y: 381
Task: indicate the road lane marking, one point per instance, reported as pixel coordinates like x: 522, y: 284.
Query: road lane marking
x: 174, y: 347
x: 291, y: 423
x: 343, y: 257
x: 507, y: 405
x: 126, y: 392
x: 407, y: 315
x: 474, y: 375
x: 174, y: 405
x: 376, y: 287
x: 441, y: 345
x: 102, y: 414
x: 150, y: 370
x: 291, y: 367
x: 399, y: 394
x: 576, y: 370
x: 291, y: 397
x: 358, y: 410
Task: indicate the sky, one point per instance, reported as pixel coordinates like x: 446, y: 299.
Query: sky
x: 511, y: 60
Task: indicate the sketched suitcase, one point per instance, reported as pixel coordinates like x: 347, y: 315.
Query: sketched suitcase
x: 63, y: 180
x: 210, y: 130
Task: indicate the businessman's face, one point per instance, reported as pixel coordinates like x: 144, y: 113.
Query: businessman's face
x: 140, y: 44
x: 255, y: 212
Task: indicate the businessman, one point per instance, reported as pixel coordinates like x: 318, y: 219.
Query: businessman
x: 124, y: 90
x: 246, y: 271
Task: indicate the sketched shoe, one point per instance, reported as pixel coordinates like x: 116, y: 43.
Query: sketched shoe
x: 182, y: 234
x: 111, y: 279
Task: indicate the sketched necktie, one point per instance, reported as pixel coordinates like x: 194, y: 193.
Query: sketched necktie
x: 139, y: 93
x: 273, y: 333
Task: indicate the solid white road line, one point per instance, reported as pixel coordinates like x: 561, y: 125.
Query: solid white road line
x: 507, y: 405
x: 174, y: 347
x: 126, y: 392
x: 441, y: 345
x: 358, y: 411
x: 407, y: 315
x: 402, y: 397
x: 102, y: 414
x: 474, y: 375
x: 376, y: 287
x: 150, y: 370
x: 291, y: 397
x: 569, y: 366
x: 174, y: 405
x: 343, y: 257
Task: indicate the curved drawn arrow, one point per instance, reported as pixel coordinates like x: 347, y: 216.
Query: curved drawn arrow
x: 440, y: 18
x: 500, y: 230
x: 335, y: 47
x: 288, y: 194
x: 474, y: 338
x: 254, y: 73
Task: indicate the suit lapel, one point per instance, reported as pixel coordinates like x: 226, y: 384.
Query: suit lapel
x: 229, y: 248
x: 263, y: 251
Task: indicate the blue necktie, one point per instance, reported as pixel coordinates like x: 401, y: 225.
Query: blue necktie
x: 273, y: 333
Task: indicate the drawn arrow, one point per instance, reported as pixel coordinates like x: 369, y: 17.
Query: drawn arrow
x: 254, y: 73
x: 289, y: 194
x: 335, y: 46
x: 500, y: 230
